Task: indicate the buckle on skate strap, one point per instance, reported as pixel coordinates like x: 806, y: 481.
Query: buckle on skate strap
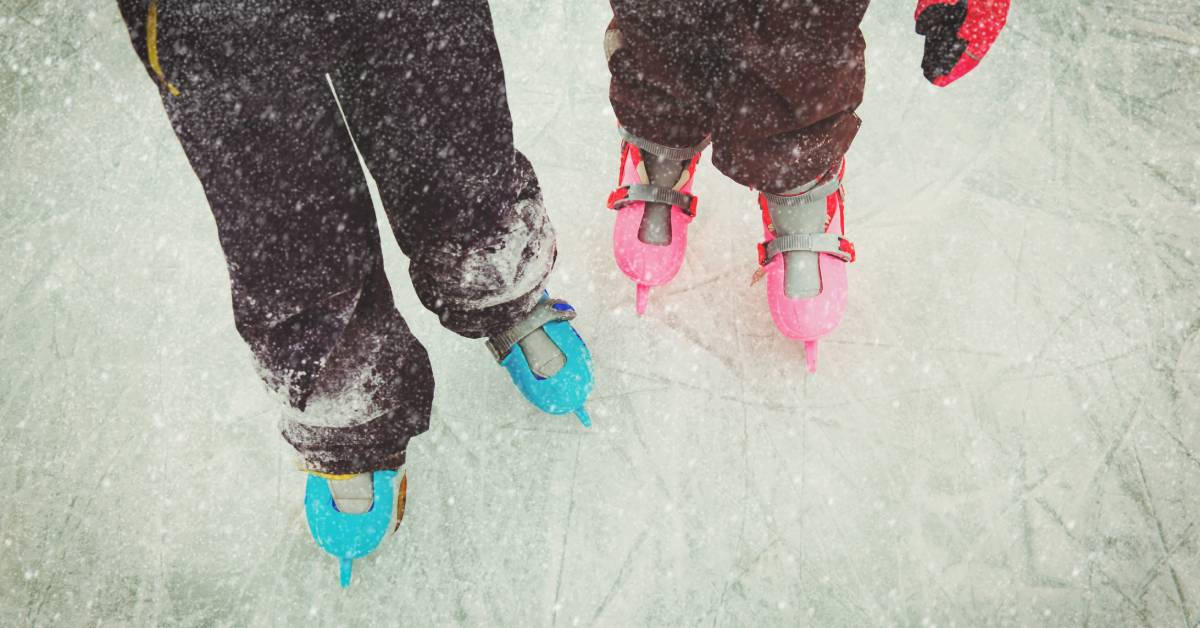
x: 616, y: 196
x: 674, y: 153
x: 652, y: 194
x: 545, y: 312
x: 817, y: 194
x: 828, y: 243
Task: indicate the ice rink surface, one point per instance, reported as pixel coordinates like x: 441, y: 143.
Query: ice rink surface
x: 1004, y: 430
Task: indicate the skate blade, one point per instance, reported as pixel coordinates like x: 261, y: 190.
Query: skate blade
x: 643, y: 296
x: 810, y: 355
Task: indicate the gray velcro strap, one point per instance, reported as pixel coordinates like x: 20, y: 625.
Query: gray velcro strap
x: 654, y: 194
x: 543, y: 313
x: 816, y: 242
x: 815, y: 195
x: 667, y: 152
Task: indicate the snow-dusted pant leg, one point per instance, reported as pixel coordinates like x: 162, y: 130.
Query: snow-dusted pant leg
x: 664, y: 59
x: 423, y: 88
x: 775, y: 81
x: 263, y: 133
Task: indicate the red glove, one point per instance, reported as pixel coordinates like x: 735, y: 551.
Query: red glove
x: 957, y: 35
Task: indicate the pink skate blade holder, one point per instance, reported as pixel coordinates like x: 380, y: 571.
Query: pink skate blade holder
x: 650, y: 265
x: 808, y: 319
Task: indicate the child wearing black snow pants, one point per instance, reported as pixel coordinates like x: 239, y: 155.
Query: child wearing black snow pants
x: 773, y: 85
x: 422, y: 90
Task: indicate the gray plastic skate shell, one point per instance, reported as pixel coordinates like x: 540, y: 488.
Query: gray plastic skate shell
x: 798, y: 224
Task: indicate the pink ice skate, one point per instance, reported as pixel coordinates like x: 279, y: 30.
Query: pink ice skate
x: 652, y: 260
x: 804, y: 259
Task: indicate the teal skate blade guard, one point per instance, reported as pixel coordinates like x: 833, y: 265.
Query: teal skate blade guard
x: 567, y: 390
x: 348, y: 537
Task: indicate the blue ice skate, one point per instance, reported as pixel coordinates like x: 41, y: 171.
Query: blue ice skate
x: 567, y: 389
x: 351, y: 536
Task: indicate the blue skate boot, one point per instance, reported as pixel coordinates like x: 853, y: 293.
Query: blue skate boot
x: 548, y: 362
x: 350, y: 515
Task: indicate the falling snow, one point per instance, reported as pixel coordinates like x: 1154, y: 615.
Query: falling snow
x: 1003, y: 430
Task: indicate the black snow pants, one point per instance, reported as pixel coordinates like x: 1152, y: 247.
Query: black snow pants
x: 775, y: 82
x: 245, y: 87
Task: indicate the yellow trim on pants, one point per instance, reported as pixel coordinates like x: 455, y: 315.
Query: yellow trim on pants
x: 152, y: 46
x: 333, y: 476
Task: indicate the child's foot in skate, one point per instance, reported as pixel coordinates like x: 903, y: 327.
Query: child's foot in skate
x: 802, y: 277
x: 804, y: 258
x: 350, y: 515
x: 667, y: 173
x: 544, y: 357
x: 654, y: 205
x: 547, y: 360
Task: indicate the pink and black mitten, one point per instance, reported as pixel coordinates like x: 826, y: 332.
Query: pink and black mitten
x: 957, y: 35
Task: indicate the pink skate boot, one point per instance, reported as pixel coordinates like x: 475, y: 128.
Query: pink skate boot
x: 804, y: 259
x: 654, y: 207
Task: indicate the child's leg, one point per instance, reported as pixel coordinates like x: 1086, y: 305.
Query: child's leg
x: 787, y: 117
x: 665, y: 66
x: 424, y: 93
x: 423, y: 89
x: 783, y: 126
x: 294, y: 218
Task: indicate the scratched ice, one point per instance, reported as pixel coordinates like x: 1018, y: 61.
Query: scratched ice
x: 1003, y: 431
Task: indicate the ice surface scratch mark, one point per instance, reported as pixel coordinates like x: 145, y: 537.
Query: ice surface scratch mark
x: 660, y: 481
x: 1029, y: 490
x: 765, y: 404
x: 1184, y: 448
x: 1106, y: 362
x: 739, y: 575
x: 21, y: 9
x: 43, y: 594
x: 667, y: 383
x: 1018, y: 275
x: 448, y: 428
x: 530, y: 420
x: 1035, y: 576
x: 281, y: 468
x: 562, y: 559
x: 1154, y: 571
x: 62, y: 532
x: 745, y: 447
x: 547, y: 121
x: 285, y: 542
x: 628, y: 394
x: 620, y: 575
x: 859, y: 489
x: 927, y: 347
x: 1105, y: 463
x: 969, y: 386
x: 783, y: 462
x: 862, y: 399
x: 1066, y: 529
x: 1023, y: 507
x: 40, y: 272
x: 1055, y: 333
x: 696, y: 339
x: 671, y: 292
x: 1162, y: 537
x: 573, y: 430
